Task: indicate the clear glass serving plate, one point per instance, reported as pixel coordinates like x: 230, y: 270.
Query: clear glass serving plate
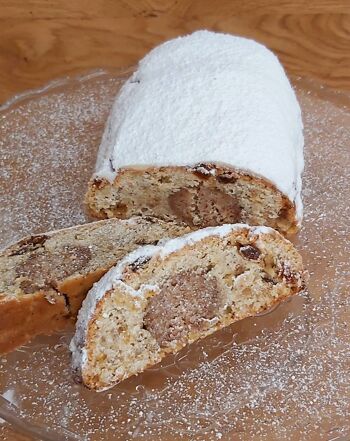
x: 282, y: 375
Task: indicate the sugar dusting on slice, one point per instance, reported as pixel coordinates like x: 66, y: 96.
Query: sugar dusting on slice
x: 114, y: 277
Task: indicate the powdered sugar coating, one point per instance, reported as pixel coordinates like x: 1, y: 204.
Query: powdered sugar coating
x: 208, y: 97
x: 114, y: 277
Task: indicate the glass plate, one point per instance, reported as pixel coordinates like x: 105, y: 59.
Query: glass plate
x: 282, y: 375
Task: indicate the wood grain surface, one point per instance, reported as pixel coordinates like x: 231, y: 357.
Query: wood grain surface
x: 41, y: 40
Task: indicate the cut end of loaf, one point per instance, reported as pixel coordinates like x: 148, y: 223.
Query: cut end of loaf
x: 201, y: 196
x: 178, y: 293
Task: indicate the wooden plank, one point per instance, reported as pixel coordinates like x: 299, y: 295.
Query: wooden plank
x: 41, y: 40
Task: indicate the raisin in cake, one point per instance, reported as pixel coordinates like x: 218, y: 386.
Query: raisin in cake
x: 44, y: 278
x: 160, y: 298
x: 207, y: 130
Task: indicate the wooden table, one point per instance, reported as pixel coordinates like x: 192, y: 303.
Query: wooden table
x: 45, y: 39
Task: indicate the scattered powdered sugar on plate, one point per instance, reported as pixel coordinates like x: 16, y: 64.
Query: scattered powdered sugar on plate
x: 284, y: 375
x: 48, y: 149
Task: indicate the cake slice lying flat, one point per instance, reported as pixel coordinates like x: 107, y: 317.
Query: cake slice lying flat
x: 207, y: 131
x: 160, y: 298
x: 44, y: 278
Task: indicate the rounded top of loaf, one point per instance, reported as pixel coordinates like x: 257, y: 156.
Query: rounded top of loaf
x: 209, y: 51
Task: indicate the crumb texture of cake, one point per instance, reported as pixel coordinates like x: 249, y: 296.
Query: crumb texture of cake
x: 44, y: 278
x: 160, y: 298
x: 208, y: 131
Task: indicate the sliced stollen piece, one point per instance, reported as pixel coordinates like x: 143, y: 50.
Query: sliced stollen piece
x: 207, y: 130
x: 44, y: 278
x: 160, y: 298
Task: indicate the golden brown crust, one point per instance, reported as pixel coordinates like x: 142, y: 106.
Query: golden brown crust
x: 21, y: 319
x: 75, y: 288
